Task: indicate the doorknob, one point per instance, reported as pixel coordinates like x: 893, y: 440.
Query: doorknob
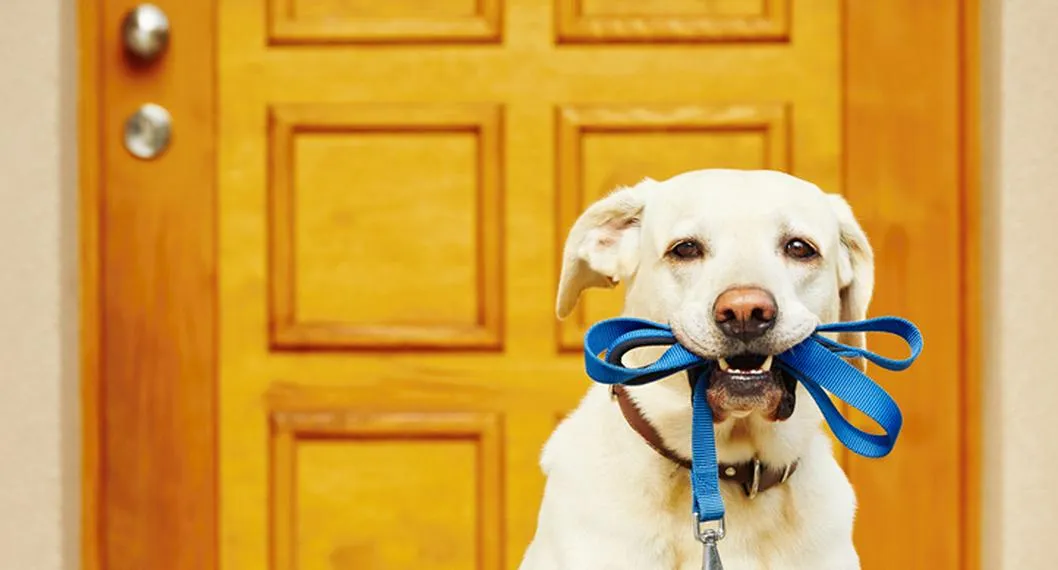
x: 145, y: 32
x: 147, y: 131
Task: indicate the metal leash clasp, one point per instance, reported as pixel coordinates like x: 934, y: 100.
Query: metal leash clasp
x: 709, y: 537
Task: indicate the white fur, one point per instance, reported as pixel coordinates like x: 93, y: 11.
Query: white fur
x: 611, y: 502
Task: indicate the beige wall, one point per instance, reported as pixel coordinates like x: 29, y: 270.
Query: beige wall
x: 1020, y: 103
x: 38, y: 375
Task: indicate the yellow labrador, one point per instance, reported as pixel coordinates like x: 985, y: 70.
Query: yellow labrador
x: 742, y: 265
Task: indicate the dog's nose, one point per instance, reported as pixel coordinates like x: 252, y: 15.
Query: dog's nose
x: 745, y: 313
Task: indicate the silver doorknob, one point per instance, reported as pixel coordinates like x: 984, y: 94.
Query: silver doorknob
x: 145, y: 32
x: 147, y: 131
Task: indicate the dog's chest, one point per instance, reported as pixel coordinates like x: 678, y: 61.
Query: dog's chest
x: 752, y: 531
x: 678, y: 533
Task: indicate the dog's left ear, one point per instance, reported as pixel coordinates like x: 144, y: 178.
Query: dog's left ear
x: 855, y: 272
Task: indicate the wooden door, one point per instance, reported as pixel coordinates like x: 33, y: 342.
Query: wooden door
x: 320, y: 328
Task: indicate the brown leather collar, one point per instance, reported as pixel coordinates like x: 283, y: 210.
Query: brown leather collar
x: 753, y: 476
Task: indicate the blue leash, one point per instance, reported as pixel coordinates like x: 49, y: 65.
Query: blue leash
x: 817, y: 363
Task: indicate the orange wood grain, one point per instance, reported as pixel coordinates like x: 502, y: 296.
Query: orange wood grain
x: 905, y: 176
x: 90, y: 113
x: 156, y: 315
x: 972, y: 297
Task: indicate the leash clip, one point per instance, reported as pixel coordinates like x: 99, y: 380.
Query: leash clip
x: 714, y: 534
x: 709, y: 538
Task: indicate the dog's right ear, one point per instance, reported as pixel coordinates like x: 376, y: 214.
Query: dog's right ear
x: 855, y: 273
x: 602, y: 248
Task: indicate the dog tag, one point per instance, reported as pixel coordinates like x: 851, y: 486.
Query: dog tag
x: 711, y: 555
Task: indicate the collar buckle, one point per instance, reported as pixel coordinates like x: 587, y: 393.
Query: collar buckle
x: 754, y: 484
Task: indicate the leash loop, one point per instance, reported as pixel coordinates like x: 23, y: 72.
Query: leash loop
x: 901, y: 328
x: 818, y: 363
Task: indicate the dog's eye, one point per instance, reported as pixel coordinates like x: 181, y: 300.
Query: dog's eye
x: 686, y: 249
x: 800, y: 249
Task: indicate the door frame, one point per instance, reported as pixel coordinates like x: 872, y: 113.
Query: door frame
x: 121, y: 505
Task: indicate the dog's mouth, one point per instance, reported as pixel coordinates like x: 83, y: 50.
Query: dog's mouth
x: 744, y: 384
x: 749, y: 365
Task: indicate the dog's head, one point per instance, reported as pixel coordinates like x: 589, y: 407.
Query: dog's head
x: 742, y: 265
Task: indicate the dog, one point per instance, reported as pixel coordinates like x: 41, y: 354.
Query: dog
x: 742, y: 265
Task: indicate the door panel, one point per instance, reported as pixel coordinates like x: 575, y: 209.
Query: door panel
x: 349, y: 488
x: 384, y: 226
x: 390, y: 184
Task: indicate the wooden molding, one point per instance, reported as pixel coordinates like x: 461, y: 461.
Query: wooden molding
x: 573, y: 25
x: 285, y: 28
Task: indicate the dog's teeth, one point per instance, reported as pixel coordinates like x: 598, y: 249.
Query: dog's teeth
x: 723, y: 364
x: 767, y: 364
